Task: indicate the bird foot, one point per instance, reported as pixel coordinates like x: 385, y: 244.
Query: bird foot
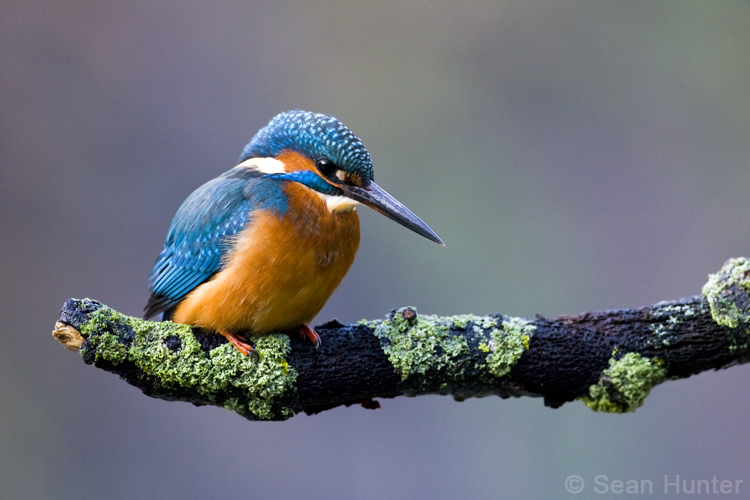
x: 305, y: 331
x: 240, y: 343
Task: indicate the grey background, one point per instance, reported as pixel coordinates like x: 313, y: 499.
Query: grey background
x: 577, y: 155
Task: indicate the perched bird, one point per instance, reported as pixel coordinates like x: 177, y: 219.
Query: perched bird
x: 263, y: 246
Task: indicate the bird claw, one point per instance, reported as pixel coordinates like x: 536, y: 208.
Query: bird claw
x: 305, y: 331
x: 240, y: 344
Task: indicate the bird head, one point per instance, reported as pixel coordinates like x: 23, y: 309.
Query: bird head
x: 337, y: 164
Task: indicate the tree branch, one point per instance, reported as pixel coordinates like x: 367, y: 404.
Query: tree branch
x: 608, y: 359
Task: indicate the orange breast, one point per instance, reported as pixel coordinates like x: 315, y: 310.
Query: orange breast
x: 280, y: 271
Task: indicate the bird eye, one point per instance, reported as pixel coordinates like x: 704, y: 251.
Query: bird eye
x: 326, y: 166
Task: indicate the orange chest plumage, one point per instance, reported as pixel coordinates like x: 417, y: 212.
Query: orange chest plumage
x: 281, y: 270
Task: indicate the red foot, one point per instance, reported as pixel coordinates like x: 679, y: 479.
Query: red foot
x: 240, y: 343
x: 305, y: 331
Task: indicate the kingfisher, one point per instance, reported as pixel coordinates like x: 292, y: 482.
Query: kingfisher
x: 263, y: 246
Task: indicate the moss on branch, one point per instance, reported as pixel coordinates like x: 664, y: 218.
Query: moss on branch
x: 610, y: 360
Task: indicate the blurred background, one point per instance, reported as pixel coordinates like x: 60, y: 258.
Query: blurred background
x: 574, y: 156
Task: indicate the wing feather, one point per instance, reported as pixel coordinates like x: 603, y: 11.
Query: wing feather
x: 201, y: 232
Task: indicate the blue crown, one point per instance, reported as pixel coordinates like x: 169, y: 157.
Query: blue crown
x: 313, y: 135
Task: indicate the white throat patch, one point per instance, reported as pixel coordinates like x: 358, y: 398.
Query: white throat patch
x: 338, y: 204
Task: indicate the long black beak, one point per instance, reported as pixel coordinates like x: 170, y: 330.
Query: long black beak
x: 376, y: 198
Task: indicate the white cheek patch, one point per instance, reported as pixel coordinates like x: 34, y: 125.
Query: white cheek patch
x: 338, y: 204
x: 264, y: 165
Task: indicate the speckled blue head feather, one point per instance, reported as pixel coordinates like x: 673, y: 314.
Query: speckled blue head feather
x: 313, y: 135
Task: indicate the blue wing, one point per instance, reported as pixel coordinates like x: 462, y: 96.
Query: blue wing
x: 201, y: 233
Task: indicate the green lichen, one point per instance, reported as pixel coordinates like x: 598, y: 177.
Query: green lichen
x: 106, y: 343
x: 675, y: 309
x: 421, y: 345
x: 508, y: 344
x: 666, y: 317
x: 262, y: 386
x: 484, y: 323
x: 462, y: 320
x: 108, y: 348
x: 727, y: 293
x: 431, y: 352
x: 625, y: 384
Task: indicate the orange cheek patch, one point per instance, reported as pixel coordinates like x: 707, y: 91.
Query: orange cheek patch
x: 294, y: 161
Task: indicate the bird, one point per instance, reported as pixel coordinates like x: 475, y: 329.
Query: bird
x: 263, y: 246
